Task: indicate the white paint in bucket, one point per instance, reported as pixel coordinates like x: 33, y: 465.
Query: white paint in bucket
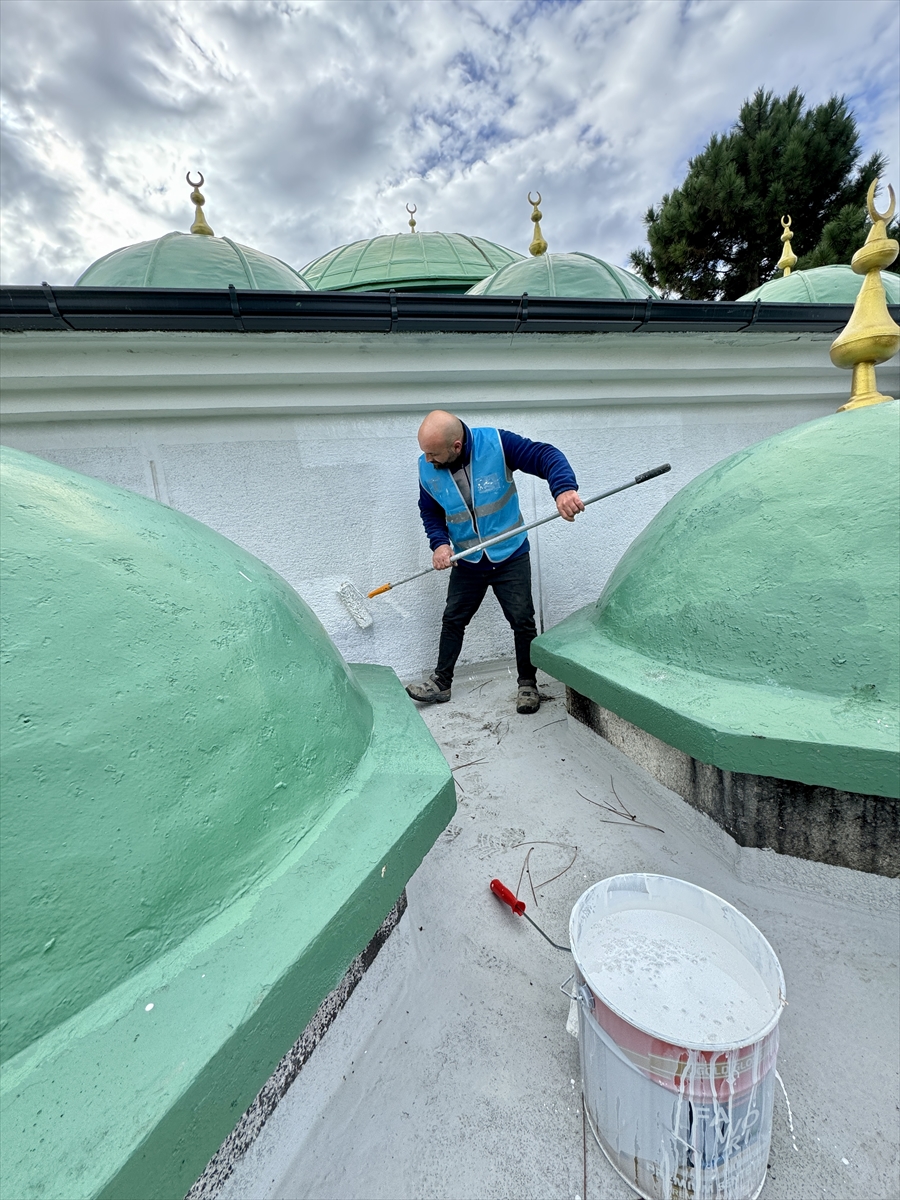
x: 679, y: 1101
x: 673, y: 976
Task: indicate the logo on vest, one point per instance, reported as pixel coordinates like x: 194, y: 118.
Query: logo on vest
x: 489, y: 483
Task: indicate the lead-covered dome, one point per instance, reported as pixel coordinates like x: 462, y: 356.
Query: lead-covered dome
x: 187, y: 260
x: 574, y: 275
x: 408, y: 262
x: 174, y: 720
x: 754, y: 623
x: 835, y: 284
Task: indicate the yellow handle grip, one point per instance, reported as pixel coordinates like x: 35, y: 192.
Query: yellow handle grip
x: 386, y: 588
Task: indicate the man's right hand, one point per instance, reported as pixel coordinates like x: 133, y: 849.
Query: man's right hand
x: 440, y: 559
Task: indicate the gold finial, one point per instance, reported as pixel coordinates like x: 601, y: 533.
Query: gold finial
x: 412, y: 218
x: 788, y: 258
x: 538, y: 245
x: 198, y: 200
x: 871, y: 336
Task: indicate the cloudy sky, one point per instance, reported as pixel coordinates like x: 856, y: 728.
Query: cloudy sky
x: 316, y: 122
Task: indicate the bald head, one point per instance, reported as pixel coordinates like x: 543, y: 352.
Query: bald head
x: 441, y: 437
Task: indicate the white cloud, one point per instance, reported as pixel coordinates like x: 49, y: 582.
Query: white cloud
x: 314, y: 123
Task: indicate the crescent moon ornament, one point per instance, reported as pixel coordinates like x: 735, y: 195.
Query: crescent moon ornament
x: 411, y: 210
x: 788, y: 259
x: 872, y: 335
x: 538, y: 243
x: 200, y: 225
x: 870, y: 203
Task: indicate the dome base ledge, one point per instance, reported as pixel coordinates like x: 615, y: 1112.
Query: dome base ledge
x: 776, y: 732
x: 158, y: 1089
x: 819, y: 824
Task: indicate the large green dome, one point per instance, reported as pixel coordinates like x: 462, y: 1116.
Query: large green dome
x: 575, y: 275
x: 174, y: 718
x: 409, y: 262
x: 190, y: 260
x: 206, y: 815
x: 754, y: 623
x: 836, y: 284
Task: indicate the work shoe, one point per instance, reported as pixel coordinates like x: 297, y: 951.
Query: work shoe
x: 528, y: 698
x: 428, y: 692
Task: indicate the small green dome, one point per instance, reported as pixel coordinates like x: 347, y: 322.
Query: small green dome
x: 409, y: 262
x: 754, y: 623
x: 174, y: 721
x: 836, y: 284
x: 191, y: 260
x: 575, y: 275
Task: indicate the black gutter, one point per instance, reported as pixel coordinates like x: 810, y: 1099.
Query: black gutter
x: 229, y: 311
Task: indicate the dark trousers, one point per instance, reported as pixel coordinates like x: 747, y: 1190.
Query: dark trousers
x: 511, y: 582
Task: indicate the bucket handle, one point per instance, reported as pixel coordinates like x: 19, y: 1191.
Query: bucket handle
x: 582, y: 994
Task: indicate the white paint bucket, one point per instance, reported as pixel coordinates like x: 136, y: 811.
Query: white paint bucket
x: 679, y: 1000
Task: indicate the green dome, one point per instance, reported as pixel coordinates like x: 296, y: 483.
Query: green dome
x: 190, y: 260
x: 409, y: 262
x: 754, y: 623
x: 573, y: 275
x: 837, y: 284
x: 174, y: 721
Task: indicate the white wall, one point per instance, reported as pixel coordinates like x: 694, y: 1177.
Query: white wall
x: 311, y: 465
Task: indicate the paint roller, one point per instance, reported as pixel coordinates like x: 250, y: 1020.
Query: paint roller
x: 502, y: 892
x: 386, y: 587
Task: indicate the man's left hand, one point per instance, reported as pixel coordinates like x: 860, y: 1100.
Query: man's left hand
x: 569, y: 505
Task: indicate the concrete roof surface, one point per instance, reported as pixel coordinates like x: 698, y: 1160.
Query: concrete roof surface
x: 450, y: 1072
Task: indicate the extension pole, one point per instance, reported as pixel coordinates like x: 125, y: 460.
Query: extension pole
x: 386, y: 587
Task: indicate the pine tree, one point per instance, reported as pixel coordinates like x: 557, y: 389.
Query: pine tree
x: 717, y: 236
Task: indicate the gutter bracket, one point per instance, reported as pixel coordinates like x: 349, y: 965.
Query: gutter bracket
x: 522, y: 312
x: 53, y: 306
x: 753, y: 316
x: 647, y: 308
x: 235, y: 307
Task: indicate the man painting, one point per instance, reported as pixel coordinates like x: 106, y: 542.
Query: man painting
x: 467, y: 495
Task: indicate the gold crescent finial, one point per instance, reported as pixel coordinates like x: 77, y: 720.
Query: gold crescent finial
x: 538, y: 245
x: 874, y: 214
x: 200, y: 224
x: 788, y: 258
x: 871, y: 335
x: 412, y: 219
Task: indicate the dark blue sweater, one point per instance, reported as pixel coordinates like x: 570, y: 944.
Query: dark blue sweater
x: 521, y: 454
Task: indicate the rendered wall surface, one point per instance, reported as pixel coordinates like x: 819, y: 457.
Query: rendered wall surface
x: 301, y: 448
x: 205, y: 816
x: 755, y: 623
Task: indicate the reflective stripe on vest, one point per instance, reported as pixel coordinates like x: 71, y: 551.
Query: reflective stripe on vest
x: 494, y: 497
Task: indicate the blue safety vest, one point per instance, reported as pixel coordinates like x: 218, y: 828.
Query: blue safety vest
x: 494, y: 498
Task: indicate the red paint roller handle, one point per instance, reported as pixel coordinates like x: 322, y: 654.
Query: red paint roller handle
x: 502, y: 892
